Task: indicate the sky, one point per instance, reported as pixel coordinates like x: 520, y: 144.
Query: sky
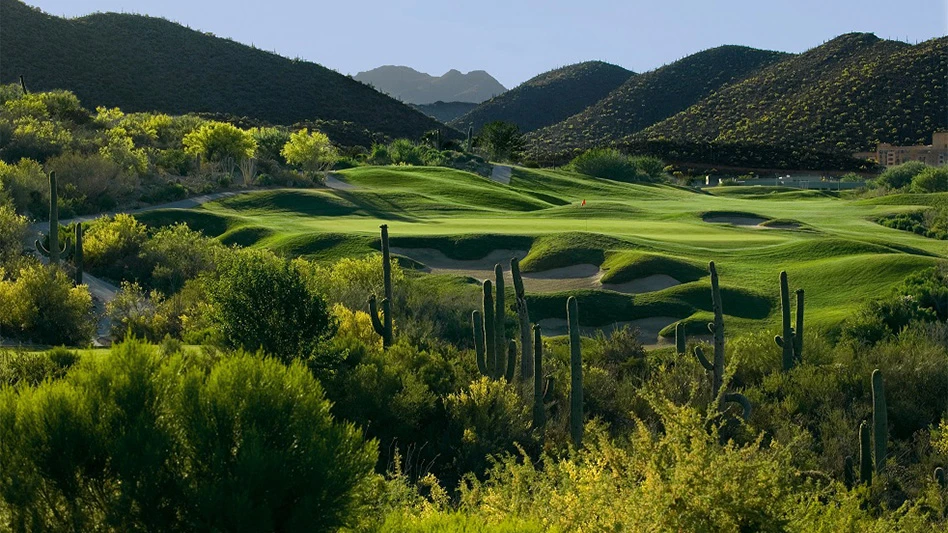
x: 515, y: 40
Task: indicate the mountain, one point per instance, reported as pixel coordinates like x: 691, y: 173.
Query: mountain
x: 550, y: 97
x: 413, y: 87
x: 445, y: 111
x: 142, y: 63
x: 654, y: 96
x: 844, y: 96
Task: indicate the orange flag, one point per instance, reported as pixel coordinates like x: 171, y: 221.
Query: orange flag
x: 584, y: 201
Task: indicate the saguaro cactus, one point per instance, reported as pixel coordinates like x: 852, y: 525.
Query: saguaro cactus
x: 500, y: 314
x: 54, y: 249
x: 511, y: 367
x: 791, y: 342
x: 576, y: 373
x: 523, y: 315
x: 488, y: 347
x: 940, y: 478
x: 23, y: 85
x: 716, y: 367
x: 539, y: 410
x: 681, y: 342
x: 384, y: 326
x: 490, y: 339
x: 865, y: 454
x: 77, y: 254
x: 849, y: 474
x: 479, y: 351
x: 470, y: 138
x: 880, y: 421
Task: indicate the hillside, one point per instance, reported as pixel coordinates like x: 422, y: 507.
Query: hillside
x: 413, y: 87
x: 144, y: 63
x: 445, y: 111
x: 550, y: 97
x: 654, y: 96
x: 846, y: 95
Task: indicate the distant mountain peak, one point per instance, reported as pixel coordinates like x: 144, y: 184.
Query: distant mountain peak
x: 414, y: 87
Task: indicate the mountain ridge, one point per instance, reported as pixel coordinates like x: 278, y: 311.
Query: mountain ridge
x: 414, y: 87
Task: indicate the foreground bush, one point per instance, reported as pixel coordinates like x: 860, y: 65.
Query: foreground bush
x: 128, y: 441
x: 41, y: 304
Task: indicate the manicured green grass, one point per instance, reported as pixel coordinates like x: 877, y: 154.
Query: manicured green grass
x: 839, y: 254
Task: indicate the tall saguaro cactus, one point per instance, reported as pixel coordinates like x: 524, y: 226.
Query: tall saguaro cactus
x: 865, y: 454
x: 77, y: 254
x: 880, y: 421
x: 681, y: 342
x: 488, y: 345
x: 791, y: 342
x: 500, y: 314
x: 384, y: 326
x: 716, y: 367
x: 576, y: 373
x: 490, y: 338
x: 523, y: 315
x: 54, y: 249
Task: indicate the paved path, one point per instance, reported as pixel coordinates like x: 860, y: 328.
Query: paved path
x: 102, y: 291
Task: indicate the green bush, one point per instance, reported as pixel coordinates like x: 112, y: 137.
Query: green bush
x: 129, y: 441
x: 900, y: 176
x: 260, y: 301
x: 931, y: 179
x: 607, y: 163
x: 41, y: 304
x: 111, y: 246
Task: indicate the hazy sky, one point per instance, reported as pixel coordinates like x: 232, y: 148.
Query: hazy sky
x: 517, y: 39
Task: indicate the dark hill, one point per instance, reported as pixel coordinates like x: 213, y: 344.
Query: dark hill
x: 144, y: 63
x: 654, y: 96
x: 844, y: 96
x: 549, y: 97
x: 445, y: 111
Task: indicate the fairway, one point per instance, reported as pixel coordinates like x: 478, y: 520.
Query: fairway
x: 635, y: 253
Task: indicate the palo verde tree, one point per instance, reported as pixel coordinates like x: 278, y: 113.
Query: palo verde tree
x: 218, y: 141
x: 501, y: 140
x: 312, y: 151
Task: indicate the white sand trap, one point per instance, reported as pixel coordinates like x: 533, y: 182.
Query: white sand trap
x: 335, y: 183
x: 655, y: 282
x: 648, y: 328
x: 735, y: 221
x: 501, y: 174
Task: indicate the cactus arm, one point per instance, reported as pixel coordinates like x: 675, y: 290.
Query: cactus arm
x: 490, y: 339
x: 743, y: 401
x: 681, y: 342
x: 500, y: 312
x: 511, y: 361
x: 880, y: 422
x: 576, y: 374
x: 41, y: 248
x: 718, y: 376
x: 865, y: 454
x: 478, y: 326
x: 786, y: 340
x: 699, y: 353
x: 549, y: 389
x: 539, y: 411
x: 798, y: 332
x: 374, y: 315
x: 523, y: 314
x: 778, y: 340
x: 387, y: 320
x: 940, y: 478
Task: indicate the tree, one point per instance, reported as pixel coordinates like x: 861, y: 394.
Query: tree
x: 502, y: 140
x: 312, y: 151
x: 931, y: 179
x: 217, y: 141
x: 260, y: 301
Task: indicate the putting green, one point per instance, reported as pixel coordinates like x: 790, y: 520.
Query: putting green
x: 829, y: 246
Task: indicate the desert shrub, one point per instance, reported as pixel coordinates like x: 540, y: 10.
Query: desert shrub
x: 41, y: 304
x: 379, y: 155
x: 931, y: 223
x: 405, y: 152
x: 19, y: 367
x: 931, y: 179
x: 900, y: 176
x: 620, y: 351
x: 259, y: 301
x: 350, y: 281
x: 929, y: 288
x: 91, y: 183
x: 502, y: 141
x: 175, y: 161
x: 13, y: 231
x: 270, y: 143
x: 136, y: 313
x: 310, y: 150
x: 216, y: 141
x: 28, y: 187
x: 128, y: 441
x: 487, y: 417
x: 112, y: 245
x: 881, y: 319
x: 650, y: 166
x: 175, y: 254
x: 607, y: 163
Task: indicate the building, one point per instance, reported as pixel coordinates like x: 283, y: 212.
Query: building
x: 933, y: 154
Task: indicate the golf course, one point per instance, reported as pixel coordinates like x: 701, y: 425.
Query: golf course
x: 633, y: 254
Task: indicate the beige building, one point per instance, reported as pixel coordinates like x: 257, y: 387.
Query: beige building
x: 933, y: 154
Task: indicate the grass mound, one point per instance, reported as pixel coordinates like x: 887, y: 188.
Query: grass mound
x: 211, y: 224
x: 627, y: 266
x: 566, y: 249
x: 466, y: 247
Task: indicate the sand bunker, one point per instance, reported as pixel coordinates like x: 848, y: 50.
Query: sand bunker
x: 501, y: 174
x: 648, y: 328
x: 335, y: 183
x: 574, y: 277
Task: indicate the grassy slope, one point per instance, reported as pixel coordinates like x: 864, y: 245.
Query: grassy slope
x: 143, y: 63
x: 548, y: 98
x: 842, y: 259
